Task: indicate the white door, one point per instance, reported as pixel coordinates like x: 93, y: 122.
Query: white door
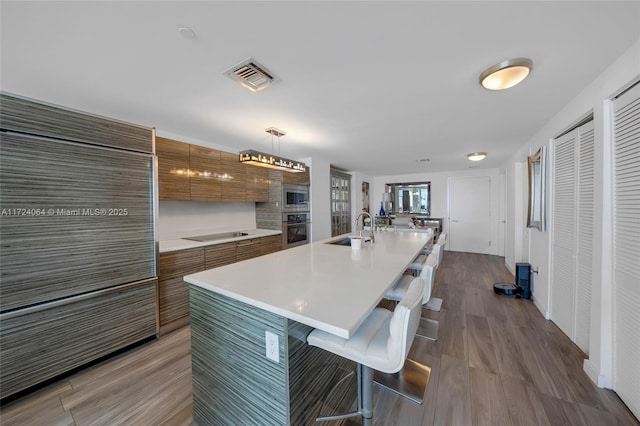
x: 470, y: 214
x: 626, y: 248
x: 503, y: 216
x: 563, y: 258
x: 572, y: 236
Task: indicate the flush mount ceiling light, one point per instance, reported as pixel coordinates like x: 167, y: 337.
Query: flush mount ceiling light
x: 506, y: 74
x: 250, y: 74
x: 271, y: 161
x: 477, y: 156
x: 187, y: 33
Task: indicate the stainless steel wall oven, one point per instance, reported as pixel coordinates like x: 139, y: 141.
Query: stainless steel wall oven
x: 296, y: 229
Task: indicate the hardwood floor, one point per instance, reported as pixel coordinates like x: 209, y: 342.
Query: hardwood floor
x: 497, y: 361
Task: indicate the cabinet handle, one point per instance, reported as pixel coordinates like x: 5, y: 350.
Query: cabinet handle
x: 72, y: 299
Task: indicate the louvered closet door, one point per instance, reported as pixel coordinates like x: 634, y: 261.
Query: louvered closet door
x: 584, y: 246
x: 626, y: 248
x: 564, y: 233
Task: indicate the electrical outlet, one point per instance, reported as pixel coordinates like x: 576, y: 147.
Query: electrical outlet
x: 271, y: 344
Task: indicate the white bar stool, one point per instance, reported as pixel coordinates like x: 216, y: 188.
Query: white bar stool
x: 434, y: 303
x: 382, y: 343
x: 428, y: 328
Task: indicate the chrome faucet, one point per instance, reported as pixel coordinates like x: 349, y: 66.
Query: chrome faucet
x: 371, y: 223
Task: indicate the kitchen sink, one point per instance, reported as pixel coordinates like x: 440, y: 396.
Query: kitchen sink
x: 342, y: 242
x: 213, y: 237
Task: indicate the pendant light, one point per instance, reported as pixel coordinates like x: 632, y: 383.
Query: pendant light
x: 272, y: 161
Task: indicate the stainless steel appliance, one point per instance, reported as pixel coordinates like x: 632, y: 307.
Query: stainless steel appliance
x: 296, y: 229
x: 78, y: 251
x: 295, y: 198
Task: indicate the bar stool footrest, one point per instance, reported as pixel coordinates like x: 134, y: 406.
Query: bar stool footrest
x: 434, y: 304
x: 428, y: 329
x: 410, y: 382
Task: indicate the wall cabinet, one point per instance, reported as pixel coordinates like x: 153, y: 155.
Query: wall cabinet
x: 302, y: 178
x: 204, y: 164
x: 257, y: 184
x: 197, y: 173
x: 233, y: 178
x: 173, y: 169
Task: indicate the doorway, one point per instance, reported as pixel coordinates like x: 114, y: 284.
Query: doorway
x: 470, y: 214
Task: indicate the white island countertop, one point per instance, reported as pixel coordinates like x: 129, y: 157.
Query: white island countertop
x: 329, y: 287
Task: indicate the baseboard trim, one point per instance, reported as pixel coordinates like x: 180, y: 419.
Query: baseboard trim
x: 541, y: 308
x: 509, y: 268
x: 591, y: 370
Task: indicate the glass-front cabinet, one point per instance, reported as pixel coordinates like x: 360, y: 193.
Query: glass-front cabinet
x: 340, y: 203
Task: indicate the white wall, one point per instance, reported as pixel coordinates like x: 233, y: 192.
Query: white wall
x: 320, y: 198
x: 594, y: 98
x: 177, y: 219
x: 516, y: 211
x: 439, y: 194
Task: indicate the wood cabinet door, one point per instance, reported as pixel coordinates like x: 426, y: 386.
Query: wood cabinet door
x: 233, y: 185
x: 257, y: 183
x: 301, y: 178
x: 205, y: 173
x: 173, y: 169
x: 270, y: 244
x: 53, y: 338
x: 173, y: 291
x: 247, y: 249
x: 220, y: 255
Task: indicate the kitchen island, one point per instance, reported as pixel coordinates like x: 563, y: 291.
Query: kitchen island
x: 239, y: 377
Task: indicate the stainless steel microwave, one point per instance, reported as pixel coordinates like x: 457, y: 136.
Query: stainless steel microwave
x: 295, y: 198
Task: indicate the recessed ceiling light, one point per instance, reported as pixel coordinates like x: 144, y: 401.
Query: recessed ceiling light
x: 506, y: 74
x: 422, y: 160
x: 187, y: 33
x: 477, y: 156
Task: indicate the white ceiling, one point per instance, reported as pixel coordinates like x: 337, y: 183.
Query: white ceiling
x: 370, y: 86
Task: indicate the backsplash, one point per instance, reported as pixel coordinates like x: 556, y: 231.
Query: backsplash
x: 178, y: 219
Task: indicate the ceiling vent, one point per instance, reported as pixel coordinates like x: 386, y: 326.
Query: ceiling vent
x: 251, y: 75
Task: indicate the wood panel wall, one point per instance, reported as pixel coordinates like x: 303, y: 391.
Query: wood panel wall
x: 233, y: 381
